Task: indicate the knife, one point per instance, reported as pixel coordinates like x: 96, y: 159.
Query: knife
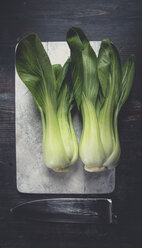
x: 66, y: 210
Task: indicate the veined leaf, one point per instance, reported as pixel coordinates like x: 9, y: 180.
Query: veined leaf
x: 109, y: 70
x: 57, y: 68
x: 127, y: 79
x: 84, y: 66
x: 35, y: 70
x: 60, y: 75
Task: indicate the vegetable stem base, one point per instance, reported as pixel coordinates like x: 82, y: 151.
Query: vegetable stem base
x: 61, y: 169
x: 94, y: 169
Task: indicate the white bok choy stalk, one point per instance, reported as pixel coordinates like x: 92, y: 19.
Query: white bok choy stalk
x: 50, y: 87
x: 101, y: 85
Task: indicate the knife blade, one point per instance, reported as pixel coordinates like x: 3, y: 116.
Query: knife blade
x: 66, y: 210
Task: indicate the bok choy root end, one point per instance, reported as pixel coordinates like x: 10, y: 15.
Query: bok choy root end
x: 50, y: 86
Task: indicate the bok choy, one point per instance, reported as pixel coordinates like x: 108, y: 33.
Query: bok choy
x: 50, y: 86
x: 101, y: 85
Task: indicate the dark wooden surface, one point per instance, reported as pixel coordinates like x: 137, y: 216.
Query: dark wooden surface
x: 121, y: 21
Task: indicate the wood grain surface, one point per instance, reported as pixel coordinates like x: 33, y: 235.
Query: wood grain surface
x: 121, y: 21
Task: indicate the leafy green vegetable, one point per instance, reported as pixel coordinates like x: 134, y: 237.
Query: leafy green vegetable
x: 101, y: 86
x: 50, y: 87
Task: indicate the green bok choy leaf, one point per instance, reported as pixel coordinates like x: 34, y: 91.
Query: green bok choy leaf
x: 50, y: 86
x: 101, y: 85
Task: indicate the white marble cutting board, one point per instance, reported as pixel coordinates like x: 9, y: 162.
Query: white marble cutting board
x: 32, y: 174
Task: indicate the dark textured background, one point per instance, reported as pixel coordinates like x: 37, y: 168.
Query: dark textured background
x: 121, y: 21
